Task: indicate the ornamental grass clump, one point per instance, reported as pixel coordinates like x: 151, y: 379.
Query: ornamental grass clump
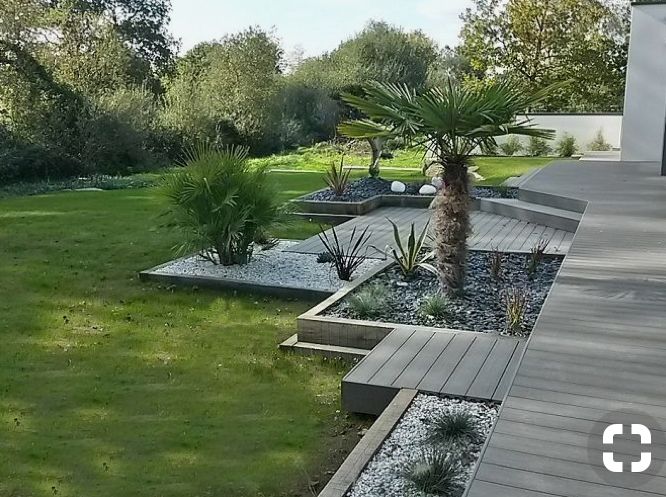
x: 496, y: 264
x: 515, y: 300
x: 221, y: 204
x: 436, y: 306
x: 535, y: 257
x: 435, y: 472
x: 370, y: 302
x: 454, y: 428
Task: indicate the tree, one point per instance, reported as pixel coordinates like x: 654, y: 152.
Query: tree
x: 451, y: 122
x: 539, y: 42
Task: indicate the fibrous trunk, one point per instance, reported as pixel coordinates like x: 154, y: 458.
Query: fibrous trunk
x: 376, y: 145
x: 452, y: 225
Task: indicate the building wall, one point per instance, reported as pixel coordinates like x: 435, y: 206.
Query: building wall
x: 583, y: 127
x: 645, y: 98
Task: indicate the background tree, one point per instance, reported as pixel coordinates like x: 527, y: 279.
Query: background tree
x: 539, y: 42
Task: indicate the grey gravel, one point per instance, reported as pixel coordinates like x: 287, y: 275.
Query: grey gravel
x: 384, y: 474
x: 270, y: 267
x: 481, y: 308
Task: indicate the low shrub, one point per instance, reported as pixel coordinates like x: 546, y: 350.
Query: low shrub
x: 435, y: 472
x: 511, y: 146
x: 566, y: 146
x: 435, y: 306
x: 453, y: 428
x: 21, y: 163
x: 537, y: 147
x: 599, y: 144
x: 370, y: 302
x: 221, y: 204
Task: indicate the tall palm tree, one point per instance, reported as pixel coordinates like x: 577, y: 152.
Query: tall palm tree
x: 451, y: 122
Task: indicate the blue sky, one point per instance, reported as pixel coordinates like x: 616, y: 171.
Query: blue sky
x: 315, y: 25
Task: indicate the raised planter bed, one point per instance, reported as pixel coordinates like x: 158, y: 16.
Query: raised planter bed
x: 271, y: 272
x: 400, y: 437
x: 480, y: 310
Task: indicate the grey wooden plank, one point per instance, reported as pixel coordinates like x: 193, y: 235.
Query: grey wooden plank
x: 403, y: 356
x: 490, y: 374
x: 412, y: 375
x: 446, y: 363
x: 365, y: 369
x: 507, y: 376
x: 486, y: 489
x: 468, y: 368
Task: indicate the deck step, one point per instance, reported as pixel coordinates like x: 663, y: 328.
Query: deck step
x: 552, y: 200
x: 534, y: 213
x: 333, y: 219
x: 305, y: 348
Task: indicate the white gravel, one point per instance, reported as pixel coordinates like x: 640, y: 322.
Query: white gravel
x: 383, y: 475
x: 270, y: 267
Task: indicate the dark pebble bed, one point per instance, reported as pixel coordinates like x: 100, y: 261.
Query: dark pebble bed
x: 481, y: 308
x: 365, y: 188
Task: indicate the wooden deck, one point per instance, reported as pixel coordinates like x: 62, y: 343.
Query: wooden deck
x: 489, y: 231
x: 469, y: 365
x: 598, y: 350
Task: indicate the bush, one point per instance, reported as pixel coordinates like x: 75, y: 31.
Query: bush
x: 566, y: 146
x: 221, y: 204
x: 435, y: 472
x: 370, y: 302
x: 511, y: 146
x: 536, y: 147
x: 599, y: 144
x: 21, y: 163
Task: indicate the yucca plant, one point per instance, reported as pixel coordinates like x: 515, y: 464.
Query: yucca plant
x: 346, y: 257
x: 411, y: 256
x: 435, y: 472
x: 221, y: 204
x: 451, y: 122
x: 337, y: 178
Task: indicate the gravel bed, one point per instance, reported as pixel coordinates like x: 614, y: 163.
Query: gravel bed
x: 481, y: 308
x: 384, y: 475
x: 365, y: 188
x: 270, y: 267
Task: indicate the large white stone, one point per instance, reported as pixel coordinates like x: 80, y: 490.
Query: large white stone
x: 427, y: 190
x: 398, y: 187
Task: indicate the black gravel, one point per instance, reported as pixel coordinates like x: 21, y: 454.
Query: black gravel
x: 365, y: 188
x: 482, y: 306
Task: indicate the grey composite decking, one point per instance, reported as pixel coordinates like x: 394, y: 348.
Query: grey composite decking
x: 598, y: 347
x: 489, y: 231
x: 462, y: 364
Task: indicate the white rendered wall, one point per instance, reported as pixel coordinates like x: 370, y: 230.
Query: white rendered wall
x: 583, y: 127
x: 645, y: 97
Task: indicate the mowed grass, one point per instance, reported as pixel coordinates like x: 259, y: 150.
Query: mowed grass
x: 113, y: 387
x: 494, y: 169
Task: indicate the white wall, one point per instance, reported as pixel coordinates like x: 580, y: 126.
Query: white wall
x: 645, y: 97
x: 583, y: 127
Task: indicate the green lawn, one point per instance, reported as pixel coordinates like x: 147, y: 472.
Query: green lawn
x: 494, y: 169
x: 112, y: 387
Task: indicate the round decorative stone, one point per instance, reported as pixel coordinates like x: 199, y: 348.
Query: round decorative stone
x: 398, y: 187
x: 427, y: 190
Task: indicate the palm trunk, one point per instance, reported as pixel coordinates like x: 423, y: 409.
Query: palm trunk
x: 452, y: 225
x: 376, y: 145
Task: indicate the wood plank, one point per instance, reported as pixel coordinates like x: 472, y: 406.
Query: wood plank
x: 446, y: 363
x: 365, y: 369
x: 424, y: 360
x: 468, y: 368
x: 402, y: 357
x: 507, y: 376
x: 490, y: 374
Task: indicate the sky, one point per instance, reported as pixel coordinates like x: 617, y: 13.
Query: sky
x: 315, y: 26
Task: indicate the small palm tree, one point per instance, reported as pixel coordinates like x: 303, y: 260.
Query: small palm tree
x: 451, y: 122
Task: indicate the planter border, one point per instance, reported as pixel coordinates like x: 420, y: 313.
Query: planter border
x: 352, y: 467
x: 154, y: 275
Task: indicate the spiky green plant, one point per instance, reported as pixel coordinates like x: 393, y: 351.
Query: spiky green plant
x: 370, y: 302
x: 515, y: 300
x: 411, y: 257
x: 435, y: 306
x: 337, y: 178
x: 453, y: 428
x: 451, y: 122
x: 535, y: 257
x: 346, y: 257
x: 221, y: 204
x: 435, y: 472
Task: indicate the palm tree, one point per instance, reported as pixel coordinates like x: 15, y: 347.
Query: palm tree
x: 451, y: 122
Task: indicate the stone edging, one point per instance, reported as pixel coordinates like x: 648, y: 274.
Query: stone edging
x: 353, y: 466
